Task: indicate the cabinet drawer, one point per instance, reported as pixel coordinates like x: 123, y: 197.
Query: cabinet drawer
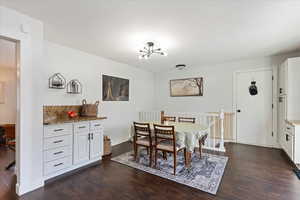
x: 95, y: 125
x: 81, y: 127
x: 56, y: 165
x: 57, y: 130
x: 289, y: 128
x: 57, y: 153
x: 55, y: 142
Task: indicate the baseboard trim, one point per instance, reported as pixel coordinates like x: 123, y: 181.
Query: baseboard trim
x: 25, y: 188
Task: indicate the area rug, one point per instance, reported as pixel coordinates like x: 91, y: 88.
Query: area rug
x: 204, y: 174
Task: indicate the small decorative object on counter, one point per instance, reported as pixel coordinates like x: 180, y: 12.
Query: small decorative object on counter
x: 74, y: 87
x: 89, y: 110
x: 107, y: 146
x: 72, y: 114
x: 57, y: 81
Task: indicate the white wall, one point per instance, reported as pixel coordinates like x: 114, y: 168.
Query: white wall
x: 218, y: 86
x: 88, y: 69
x: 8, y: 110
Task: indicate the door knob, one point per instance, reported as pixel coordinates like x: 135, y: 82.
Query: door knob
x: 238, y: 110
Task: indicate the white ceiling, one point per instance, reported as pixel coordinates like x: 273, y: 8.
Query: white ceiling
x: 7, y: 54
x: 194, y: 32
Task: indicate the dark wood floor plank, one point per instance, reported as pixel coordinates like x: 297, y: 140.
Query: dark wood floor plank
x: 252, y: 173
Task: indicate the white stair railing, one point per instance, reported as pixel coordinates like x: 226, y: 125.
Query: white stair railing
x: 213, y: 121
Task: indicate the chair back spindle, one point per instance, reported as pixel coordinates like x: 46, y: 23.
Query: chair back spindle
x: 142, y: 130
x: 162, y: 133
x: 187, y: 119
x: 169, y: 119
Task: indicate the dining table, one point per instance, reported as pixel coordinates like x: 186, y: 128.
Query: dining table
x: 187, y: 134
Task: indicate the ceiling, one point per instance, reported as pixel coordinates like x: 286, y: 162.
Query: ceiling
x: 194, y: 32
x: 7, y: 54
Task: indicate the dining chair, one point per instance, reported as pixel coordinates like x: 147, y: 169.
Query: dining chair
x: 10, y: 136
x: 165, y: 141
x: 169, y: 119
x: 142, y: 137
x: 187, y: 119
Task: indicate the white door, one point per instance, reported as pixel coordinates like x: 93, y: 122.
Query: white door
x: 81, y: 147
x: 254, y: 113
x: 96, y: 145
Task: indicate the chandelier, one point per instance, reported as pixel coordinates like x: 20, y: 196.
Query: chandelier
x: 149, y: 49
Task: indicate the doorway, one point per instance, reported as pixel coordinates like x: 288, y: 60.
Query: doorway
x: 8, y: 109
x: 254, y: 108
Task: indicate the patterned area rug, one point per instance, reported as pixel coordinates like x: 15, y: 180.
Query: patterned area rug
x: 204, y: 174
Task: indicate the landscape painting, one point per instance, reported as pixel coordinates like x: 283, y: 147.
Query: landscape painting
x: 115, y: 89
x: 186, y: 87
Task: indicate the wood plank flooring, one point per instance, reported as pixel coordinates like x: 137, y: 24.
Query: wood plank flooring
x: 252, y: 173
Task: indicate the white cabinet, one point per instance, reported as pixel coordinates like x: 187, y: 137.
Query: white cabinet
x: 88, y: 141
x: 71, y: 145
x: 288, y: 101
x: 291, y: 140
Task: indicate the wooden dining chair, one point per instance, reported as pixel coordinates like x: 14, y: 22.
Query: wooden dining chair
x: 142, y: 137
x: 165, y: 141
x: 187, y: 119
x: 169, y: 119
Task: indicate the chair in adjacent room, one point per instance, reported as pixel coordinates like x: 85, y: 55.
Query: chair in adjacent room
x: 10, y: 136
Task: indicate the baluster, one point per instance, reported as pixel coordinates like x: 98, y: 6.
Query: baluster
x: 222, y: 148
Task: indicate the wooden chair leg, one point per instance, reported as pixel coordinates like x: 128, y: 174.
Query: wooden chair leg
x: 175, y: 163
x: 150, y: 157
x: 155, y: 157
x: 135, y: 150
x: 200, y: 148
x: 185, y: 161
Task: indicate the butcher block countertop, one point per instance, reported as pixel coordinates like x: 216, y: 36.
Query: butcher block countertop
x: 72, y: 120
x: 293, y: 122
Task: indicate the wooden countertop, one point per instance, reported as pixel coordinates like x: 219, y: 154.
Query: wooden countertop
x: 72, y: 120
x: 293, y: 122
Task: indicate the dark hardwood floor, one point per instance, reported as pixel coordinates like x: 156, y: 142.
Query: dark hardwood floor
x: 253, y: 173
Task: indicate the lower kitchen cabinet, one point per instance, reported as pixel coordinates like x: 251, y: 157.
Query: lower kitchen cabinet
x: 71, y: 145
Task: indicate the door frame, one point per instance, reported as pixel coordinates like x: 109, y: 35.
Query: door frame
x: 273, y: 143
x: 18, y: 116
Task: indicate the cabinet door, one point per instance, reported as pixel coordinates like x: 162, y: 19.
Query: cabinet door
x: 96, y: 145
x: 81, y: 148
